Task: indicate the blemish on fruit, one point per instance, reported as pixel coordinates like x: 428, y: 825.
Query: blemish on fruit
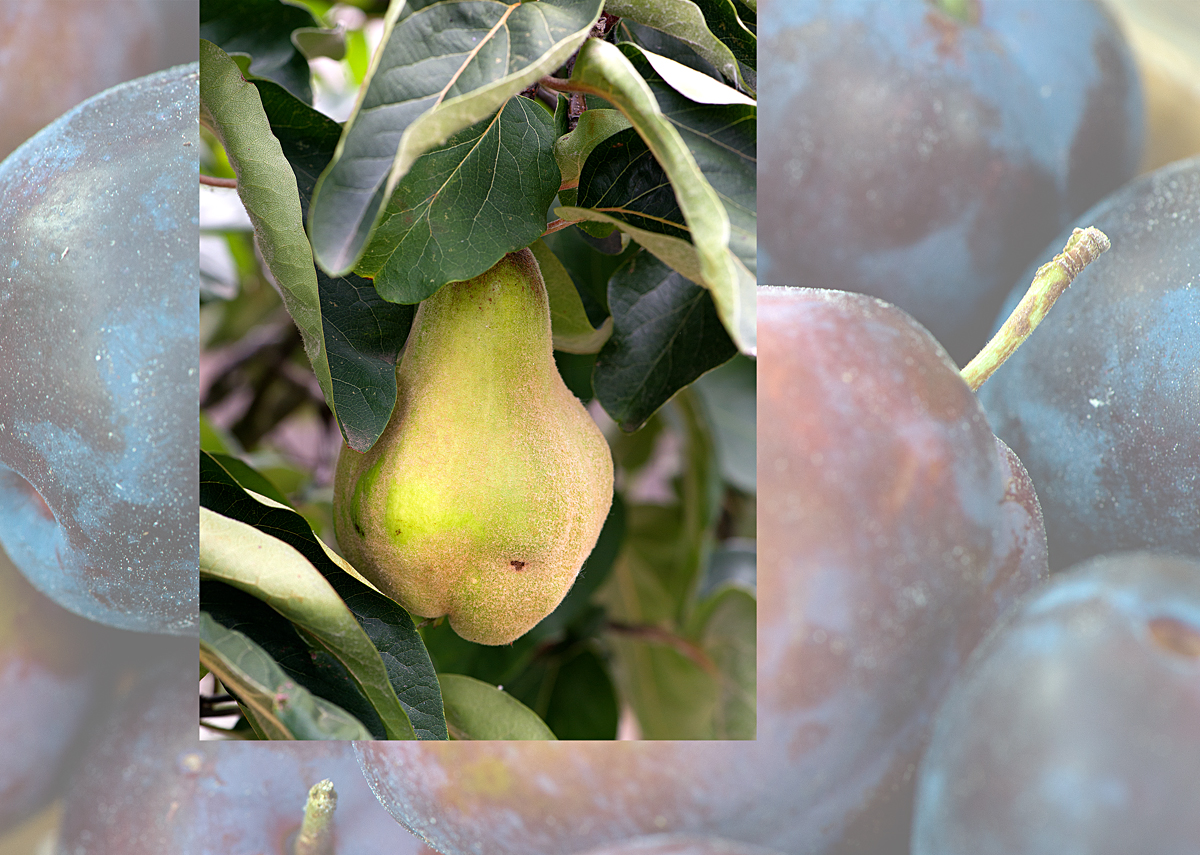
x: 517, y: 565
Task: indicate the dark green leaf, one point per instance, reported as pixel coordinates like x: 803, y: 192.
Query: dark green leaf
x: 723, y: 139
x: 311, y: 668
x: 666, y: 333
x: 444, y: 67
x: 363, y: 333
x: 574, y: 694
x: 275, y: 705
x: 621, y: 178
x: 700, y: 25
x: 388, y: 626
x: 262, y: 30
x: 477, y: 710
x: 729, y: 398
x: 250, y: 478
x: 465, y: 204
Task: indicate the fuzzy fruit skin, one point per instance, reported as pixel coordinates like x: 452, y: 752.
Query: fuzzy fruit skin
x: 489, y: 486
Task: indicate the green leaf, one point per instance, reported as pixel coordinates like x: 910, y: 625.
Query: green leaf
x: 390, y: 628
x: 686, y: 21
x: 726, y: 627
x: 262, y: 31
x: 249, y: 477
x: 572, y: 691
x: 666, y: 334
x: 595, y: 126
x: 478, y: 710
x: 441, y: 67
x: 312, y: 669
x: 464, y: 205
x: 363, y: 332
x: 603, y: 69
x: 729, y: 396
x: 267, y: 187
x: 622, y: 178
x: 573, y: 332
x: 723, y: 137
x: 244, y: 557
x: 277, y: 706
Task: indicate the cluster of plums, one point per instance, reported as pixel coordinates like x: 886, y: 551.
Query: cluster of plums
x: 979, y: 620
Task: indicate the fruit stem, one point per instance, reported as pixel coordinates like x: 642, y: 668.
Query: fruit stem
x: 1051, y: 279
x: 316, y: 834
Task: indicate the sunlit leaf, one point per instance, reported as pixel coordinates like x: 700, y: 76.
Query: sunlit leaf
x: 441, y: 67
x: 685, y: 20
x: 603, y: 70
x: 465, y: 204
x: 385, y: 623
x: 244, y: 557
x: 233, y: 109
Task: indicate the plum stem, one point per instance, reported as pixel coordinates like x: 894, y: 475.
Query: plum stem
x: 316, y: 834
x: 1051, y: 279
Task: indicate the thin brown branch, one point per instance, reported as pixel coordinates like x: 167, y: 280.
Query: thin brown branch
x: 658, y: 635
x: 214, y: 181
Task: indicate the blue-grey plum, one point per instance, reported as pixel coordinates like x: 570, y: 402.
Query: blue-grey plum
x: 925, y: 157
x: 146, y: 786
x: 50, y: 681
x: 1102, y: 403
x: 1075, y: 729
x: 54, y: 55
x: 893, y: 537
x: 98, y: 343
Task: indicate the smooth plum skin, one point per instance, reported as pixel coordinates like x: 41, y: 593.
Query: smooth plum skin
x: 146, y: 786
x: 52, y: 55
x: 98, y: 341
x: 925, y: 161
x: 1102, y: 402
x: 679, y: 844
x: 1076, y: 727
x: 50, y: 682
x: 877, y: 560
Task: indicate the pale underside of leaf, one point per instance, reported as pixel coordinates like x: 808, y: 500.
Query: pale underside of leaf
x: 683, y: 20
x: 240, y: 555
x: 602, y: 69
x: 267, y: 188
x: 277, y: 707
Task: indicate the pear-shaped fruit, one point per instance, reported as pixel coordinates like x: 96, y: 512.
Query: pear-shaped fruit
x: 489, y: 486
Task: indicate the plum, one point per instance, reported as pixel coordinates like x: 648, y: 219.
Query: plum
x: 1076, y: 726
x: 679, y: 844
x: 924, y: 157
x: 54, y: 55
x: 1102, y: 403
x: 98, y: 341
x: 892, y: 539
x: 145, y: 786
x: 50, y: 681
